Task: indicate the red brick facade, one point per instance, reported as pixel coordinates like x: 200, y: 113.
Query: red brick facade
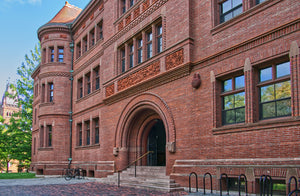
x: 179, y: 38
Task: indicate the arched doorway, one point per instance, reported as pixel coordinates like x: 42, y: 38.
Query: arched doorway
x: 145, y: 123
x: 156, y: 142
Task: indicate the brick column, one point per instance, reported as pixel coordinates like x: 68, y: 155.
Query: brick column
x: 55, y: 53
x: 135, y: 53
x: 83, y: 133
x: 126, y: 57
x: 92, y: 131
x: 144, y: 38
x: 295, y: 78
x: 46, y: 55
x: 154, y: 41
x: 214, y: 105
x: 249, y: 106
x: 45, y: 135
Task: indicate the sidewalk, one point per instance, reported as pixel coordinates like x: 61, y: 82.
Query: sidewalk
x: 80, y: 187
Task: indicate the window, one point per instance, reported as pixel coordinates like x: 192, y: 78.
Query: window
x: 96, y: 78
x: 51, y: 86
x: 42, y: 136
x: 275, y: 91
x: 85, y: 45
x: 92, y: 37
x: 80, y: 89
x: 149, y: 45
x: 230, y: 9
x: 123, y: 60
x: 35, y: 115
x: 61, y: 54
x: 140, y: 50
x: 233, y: 100
x: 131, y: 56
x: 49, y: 133
x: 34, y: 146
x: 51, y: 54
x: 36, y: 90
x: 44, y: 56
x: 100, y: 30
x: 141, y: 47
x: 259, y: 1
x: 96, y: 125
x: 159, y: 38
x: 131, y: 3
x: 79, y: 126
x: 87, y: 125
x: 88, y: 83
x: 43, y: 93
x: 123, y: 6
x: 78, y: 49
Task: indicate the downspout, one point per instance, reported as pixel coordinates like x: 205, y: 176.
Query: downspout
x: 71, y: 98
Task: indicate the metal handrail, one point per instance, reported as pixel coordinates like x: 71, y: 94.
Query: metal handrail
x: 239, y: 182
x: 133, y: 162
x: 193, y: 173
x: 290, y: 181
x: 211, y: 188
x: 227, y: 183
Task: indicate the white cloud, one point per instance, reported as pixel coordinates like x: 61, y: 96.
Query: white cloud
x: 24, y: 1
x: 34, y: 1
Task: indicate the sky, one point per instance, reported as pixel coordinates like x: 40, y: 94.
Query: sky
x: 19, y: 22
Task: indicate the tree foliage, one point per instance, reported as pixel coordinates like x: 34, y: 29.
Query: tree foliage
x: 16, y: 136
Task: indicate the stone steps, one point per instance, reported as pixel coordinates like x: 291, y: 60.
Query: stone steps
x: 151, y: 178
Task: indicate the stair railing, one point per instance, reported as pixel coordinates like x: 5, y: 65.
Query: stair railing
x: 193, y: 173
x: 133, y: 162
x: 211, y: 188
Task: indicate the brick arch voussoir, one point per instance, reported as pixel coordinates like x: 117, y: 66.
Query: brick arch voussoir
x: 138, y: 103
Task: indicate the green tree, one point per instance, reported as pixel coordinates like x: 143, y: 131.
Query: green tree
x: 18, y: 132
x: 4, y: 154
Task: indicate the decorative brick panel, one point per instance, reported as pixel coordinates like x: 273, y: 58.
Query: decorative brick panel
x: 174, y: 59
x: 83, y: 26
x: 46, y: 37
x: 139, y: 76
x: 63, y: 36
x: 120, y: 26
x: 128, y: 20
x: 145, y: 5
x: 136, y: 13
x: 101, y: 7
x: 110, y: 90
x: 92, y: 17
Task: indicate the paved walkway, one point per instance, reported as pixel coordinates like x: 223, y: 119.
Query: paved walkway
x: 59, y: 186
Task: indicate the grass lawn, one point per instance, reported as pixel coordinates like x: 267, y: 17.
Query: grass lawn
x: 16, y: 175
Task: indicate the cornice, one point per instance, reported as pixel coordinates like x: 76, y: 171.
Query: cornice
x: 53, y: 28
x: 269, y: 36
x: 54, y: 74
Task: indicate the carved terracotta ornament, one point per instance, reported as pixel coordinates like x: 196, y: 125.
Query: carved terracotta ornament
x: 196, y: 82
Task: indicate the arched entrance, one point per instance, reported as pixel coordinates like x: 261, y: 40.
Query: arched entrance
x: 156, y: 142
x: 146, y: 123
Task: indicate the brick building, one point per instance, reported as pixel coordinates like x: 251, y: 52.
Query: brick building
x: 8, y: 106
x: 209, y: 86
